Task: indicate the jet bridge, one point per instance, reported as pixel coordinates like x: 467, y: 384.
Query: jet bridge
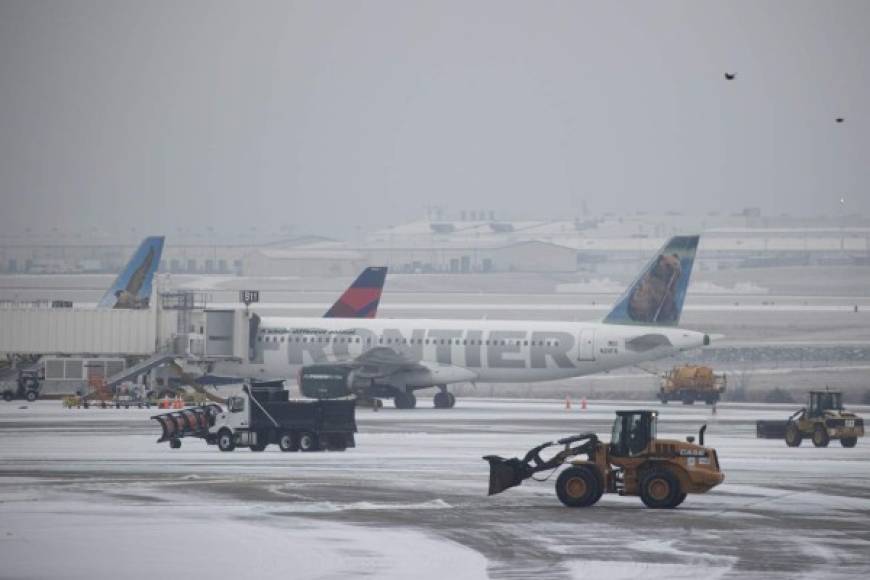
x: 181, y: 327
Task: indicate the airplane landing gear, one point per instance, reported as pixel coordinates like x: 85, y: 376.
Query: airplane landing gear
x: 444, y: 399
x: 405, y: 400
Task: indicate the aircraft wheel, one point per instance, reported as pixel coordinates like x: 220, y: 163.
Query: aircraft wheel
x: 849, y: 441
x: 660, y: 489
x: 579, y: 487
x: 441, y: 400
x: 451, y: 400
x: 820, y: 437
x: 405, y: 400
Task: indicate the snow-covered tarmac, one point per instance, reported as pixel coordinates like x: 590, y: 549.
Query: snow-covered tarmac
x: 88, y: 494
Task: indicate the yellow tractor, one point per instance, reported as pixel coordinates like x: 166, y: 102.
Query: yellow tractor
x: 825, y: 419
x: 661, y: 471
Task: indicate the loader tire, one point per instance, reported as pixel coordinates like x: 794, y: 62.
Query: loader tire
x: 660, y: 489
x: 849, y: 441
x: 579, y: 487
x: 680, y: 499
x: 793, y: 436
x: 820, y: 437
x: 226, y: 441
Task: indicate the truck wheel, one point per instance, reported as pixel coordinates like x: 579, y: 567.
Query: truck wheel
x: 579, y: 487
x: 849, y: 441
x: 175, y: 443
x: 31, y: 396
x: 793, y: 436
x: 664, y: 401
x: 660, y: 489
x: 820, y: 437
x: 259, y: 446
x: 226, y: 441
x: 688, y: 401
x: 308, y: 442
x: 8, y: 396
x: 405, y: 400
x: 286, y: 442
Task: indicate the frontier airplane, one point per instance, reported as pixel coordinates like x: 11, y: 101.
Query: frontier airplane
x: 393, y: 358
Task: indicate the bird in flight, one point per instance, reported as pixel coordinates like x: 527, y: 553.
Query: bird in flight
x: 730, y: 76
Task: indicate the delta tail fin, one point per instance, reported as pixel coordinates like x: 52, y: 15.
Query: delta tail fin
x: 361, y: 299
x: 656, y: 297
x: 132, y: 287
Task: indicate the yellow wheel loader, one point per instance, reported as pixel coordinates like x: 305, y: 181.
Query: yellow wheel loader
x: 661, y: 471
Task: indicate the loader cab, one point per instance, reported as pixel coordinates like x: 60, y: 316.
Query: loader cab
x: 633, y: 431
x: 821, y: 401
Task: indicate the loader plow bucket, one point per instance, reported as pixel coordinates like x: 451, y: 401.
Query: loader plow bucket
x: 505, y: 473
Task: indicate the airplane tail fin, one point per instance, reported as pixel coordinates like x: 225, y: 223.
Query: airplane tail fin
x: 361, y: 299
x: 656, y: 297
x: 132, y: 287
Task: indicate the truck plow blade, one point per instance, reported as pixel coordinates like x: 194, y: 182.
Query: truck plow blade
x: 505, y: 473
x: 193, y: 421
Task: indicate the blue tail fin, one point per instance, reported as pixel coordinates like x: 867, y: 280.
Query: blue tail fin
x: 132, y: 287
x: 656, y: 297
x: 361, y: 299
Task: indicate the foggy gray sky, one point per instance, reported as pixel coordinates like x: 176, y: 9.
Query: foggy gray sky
x: 156, y: 114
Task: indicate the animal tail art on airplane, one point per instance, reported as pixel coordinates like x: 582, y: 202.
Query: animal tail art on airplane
x: 362, y: 298
x: 132, y: 287
x: 656, y: 297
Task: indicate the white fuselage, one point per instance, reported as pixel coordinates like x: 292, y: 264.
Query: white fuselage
x: 460, y: 350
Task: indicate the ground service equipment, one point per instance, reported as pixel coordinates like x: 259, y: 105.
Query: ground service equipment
x: 26, y: 386
x: 660, y: 471
x: 690, y: 383
x: 825, y: 419
x: 261, y: 415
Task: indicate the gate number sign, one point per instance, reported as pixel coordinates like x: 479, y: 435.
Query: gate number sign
x: 249, y: 296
